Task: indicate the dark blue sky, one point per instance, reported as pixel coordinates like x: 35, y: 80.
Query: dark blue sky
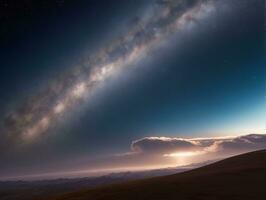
x: 206, y: 82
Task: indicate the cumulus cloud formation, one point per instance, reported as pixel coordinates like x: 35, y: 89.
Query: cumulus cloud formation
x: 243, y: 143
x: 160, y: 152
x: 166, y: 145
x: 162, y: 144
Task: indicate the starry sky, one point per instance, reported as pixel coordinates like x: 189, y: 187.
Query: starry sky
x: 206, y: 78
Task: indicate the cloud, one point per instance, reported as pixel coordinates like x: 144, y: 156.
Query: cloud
x: 242, y: 143
x: 162, y: 145
x: 161, y: 152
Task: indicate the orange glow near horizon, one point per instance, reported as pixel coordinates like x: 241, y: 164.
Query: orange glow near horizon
x: 184, y: 154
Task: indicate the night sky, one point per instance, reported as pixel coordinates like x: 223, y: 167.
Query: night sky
x: 207, y: 78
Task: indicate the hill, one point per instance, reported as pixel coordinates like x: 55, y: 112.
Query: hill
x: 29, y: 189
x: 238, y: 178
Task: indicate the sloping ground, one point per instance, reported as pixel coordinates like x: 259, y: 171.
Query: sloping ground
x: 241, y: 177
x: 34, y: 189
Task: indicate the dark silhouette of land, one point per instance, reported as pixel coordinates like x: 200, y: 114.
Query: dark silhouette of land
x: 35, y: 189
x: 241, y: 177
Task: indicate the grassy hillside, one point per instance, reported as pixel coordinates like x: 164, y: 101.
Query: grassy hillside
x: 240, y: 177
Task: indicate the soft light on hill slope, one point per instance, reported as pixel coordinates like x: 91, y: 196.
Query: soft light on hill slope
x: 240, y: 177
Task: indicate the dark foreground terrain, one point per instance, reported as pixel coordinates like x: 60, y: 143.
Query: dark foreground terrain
x: 239, y: 178
x: 35, y: 189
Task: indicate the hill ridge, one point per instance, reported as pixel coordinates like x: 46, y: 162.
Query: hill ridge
x: 238, y: 177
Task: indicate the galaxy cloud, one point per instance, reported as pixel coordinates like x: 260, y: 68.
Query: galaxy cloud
x: 40, y: 112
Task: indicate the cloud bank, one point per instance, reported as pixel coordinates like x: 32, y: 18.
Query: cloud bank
x: 162, y: 145
x: 161, y: 152
x: 223, y: 145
